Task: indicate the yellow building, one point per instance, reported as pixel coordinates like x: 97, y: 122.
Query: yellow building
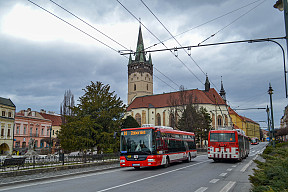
x: 250, y: 127
x: 7, y: 119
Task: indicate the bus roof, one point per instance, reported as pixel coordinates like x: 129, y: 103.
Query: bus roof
x: 162, y: 130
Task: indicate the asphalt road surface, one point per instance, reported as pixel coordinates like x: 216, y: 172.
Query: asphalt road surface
x: 202, y: 174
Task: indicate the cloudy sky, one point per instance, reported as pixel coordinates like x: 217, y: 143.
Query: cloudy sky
x: 41, y: 56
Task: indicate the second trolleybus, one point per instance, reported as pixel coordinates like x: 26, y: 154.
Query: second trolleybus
x: 155, y: 146
x: 228, y: 144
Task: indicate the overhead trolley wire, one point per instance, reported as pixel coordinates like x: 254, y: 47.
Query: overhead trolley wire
x: 205, y: 23
x: 91, y: 35
x: 160, y: 41
x: 232, y: 22
x: 106, y: 36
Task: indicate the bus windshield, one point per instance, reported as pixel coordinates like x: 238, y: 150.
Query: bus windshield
x: 137, y: 141
x: 222, y: 137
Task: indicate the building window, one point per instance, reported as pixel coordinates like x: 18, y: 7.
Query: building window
x: 47, y: 131
x: 219, y: 120
x: 42, y: 131
x: 147, y: 87
x: 31, y: 131
x: 25, y: 129
x: 17, y: 130
x: 9, y: 114
x: 9, y: 133
x: 3, y: 113
x: 158, y: 119
x: 36, y: 132
x: 23, y: 144
x: 53, y: 132
x: 2, y: 132
x: 134, y: 87
x: 138, y: 118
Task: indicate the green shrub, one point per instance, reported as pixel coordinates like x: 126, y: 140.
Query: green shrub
x: 272, y: 175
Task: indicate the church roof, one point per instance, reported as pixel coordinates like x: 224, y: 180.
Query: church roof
x: 164, y: 100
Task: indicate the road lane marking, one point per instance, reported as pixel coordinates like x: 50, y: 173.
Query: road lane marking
x: 214, y: 181
x: 228, y: 186
x: 201, y: 189
x: 234, y: 166
x: 248, y: 164
x: 229, y: 169
x: 223, y: 174
x: 145, y: 178
x: 54, y: 180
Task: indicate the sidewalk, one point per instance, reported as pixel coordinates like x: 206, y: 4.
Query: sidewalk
x: 24, y: 176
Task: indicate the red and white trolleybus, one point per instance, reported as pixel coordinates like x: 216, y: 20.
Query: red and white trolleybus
x: 154, y: 146
x: 228, y: 144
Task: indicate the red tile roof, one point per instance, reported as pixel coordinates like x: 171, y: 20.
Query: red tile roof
x: 56, y: 119
x: 164, y: 100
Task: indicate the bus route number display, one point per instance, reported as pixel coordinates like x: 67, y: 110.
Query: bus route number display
x: 141, y: 132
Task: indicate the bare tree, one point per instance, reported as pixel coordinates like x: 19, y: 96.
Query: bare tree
x: 67, y: 105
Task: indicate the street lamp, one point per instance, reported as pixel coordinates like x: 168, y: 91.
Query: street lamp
x: 270, y: 92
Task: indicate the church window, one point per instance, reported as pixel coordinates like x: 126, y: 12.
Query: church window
x: 171, y: 120
x: 158, y: 119
x: 138, y: 118
x: 147, y: 87
x: 134, y: 87
x: 219, y: 119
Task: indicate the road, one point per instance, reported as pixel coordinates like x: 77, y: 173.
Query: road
x: 202, y: 174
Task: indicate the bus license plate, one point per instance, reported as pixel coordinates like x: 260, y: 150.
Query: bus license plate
x: 136, y: 165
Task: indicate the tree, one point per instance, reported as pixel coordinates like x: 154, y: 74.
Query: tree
x: 130, y: 122
x: 94, y: 121
x: 197, y: 121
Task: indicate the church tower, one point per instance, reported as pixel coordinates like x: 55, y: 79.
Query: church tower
x: 140, y: 73
x: 222, y: 91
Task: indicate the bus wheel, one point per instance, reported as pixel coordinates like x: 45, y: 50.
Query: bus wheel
x: 188, y: 159
x: 167, y: 162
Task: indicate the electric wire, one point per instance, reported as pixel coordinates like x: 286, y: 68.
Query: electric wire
x: 232, y: 22
x: 205, y: 23
x: 106, y: 36
x: 94, y: 37
x: 160, y: 41
x: 176, y: 41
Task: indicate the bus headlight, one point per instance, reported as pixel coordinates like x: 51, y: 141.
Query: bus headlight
x: 122, y: 161
x: 151, y: 160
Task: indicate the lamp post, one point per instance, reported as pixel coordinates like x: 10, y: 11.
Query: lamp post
x: 50, y: 140
x: 270, y: 92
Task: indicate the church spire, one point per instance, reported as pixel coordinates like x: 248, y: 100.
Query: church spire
x: 207, y: 83
x: 140, y: 55
x: 222, y: 91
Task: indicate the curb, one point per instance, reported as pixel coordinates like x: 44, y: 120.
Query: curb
x: 61, y: 176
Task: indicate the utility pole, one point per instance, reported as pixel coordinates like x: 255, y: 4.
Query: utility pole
x: 268, y: 124
x: 270, y: 92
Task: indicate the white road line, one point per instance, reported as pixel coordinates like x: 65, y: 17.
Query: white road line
x: 201, y: 189
x: 228, y: 186
x: 223, y: 174
x: 214, y: 181
x: 248, y: 164
x: 234, y: 166
x: 145, y: 178
x: 229, y: 169
x: 57, y: 180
